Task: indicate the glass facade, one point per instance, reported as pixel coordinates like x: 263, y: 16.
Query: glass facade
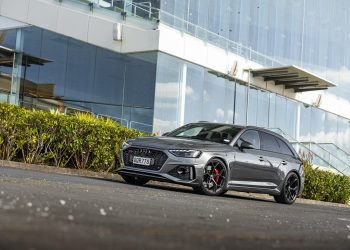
x: 7, y: 40
x: 313, y: 34
x: 186, y: 92
x: 64, y: 73
x: 211, y: 98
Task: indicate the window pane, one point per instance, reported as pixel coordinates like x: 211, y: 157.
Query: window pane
x: 109, y: 78
x: 140, y: 74
x: 305, y: 118
x: 272, y: 110
x: 80, y: 71
x: 281, y: 113
x: 291, y: 117
x: 284, y: 149
x: 241, y: 104
x: 269, y: 143
x: 54, y: 48
x: 317, y: 125
x: 263, y: 109
x: 214, y: 99
x: 195, y: 94
x: 8, y: 38
x: 166, y: 104
x: 253, y: 107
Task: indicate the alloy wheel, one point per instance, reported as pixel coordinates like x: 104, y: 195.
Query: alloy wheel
x: 291, y: 187
x: 214, y: 178
x: 290, y: 190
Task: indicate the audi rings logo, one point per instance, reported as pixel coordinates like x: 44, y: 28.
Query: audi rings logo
x: 144, y: 151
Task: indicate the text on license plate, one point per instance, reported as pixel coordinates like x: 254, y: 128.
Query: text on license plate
x: 141, y: 161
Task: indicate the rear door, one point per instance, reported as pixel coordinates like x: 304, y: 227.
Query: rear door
x: 275, y: 154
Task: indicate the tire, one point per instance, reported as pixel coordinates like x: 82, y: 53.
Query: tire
x: 290, y: 190
x: 134, y: 180
x: 214, y: 179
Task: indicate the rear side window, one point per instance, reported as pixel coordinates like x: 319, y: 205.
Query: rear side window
x: 269, y: 143
x: 284, y: 149
x: 252, y: 137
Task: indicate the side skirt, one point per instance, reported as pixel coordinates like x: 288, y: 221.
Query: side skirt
x: 247, y: 189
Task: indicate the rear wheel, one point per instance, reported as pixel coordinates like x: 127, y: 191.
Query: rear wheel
x: 290, y: 190
x: 214, y: 178
x: 134, y: 180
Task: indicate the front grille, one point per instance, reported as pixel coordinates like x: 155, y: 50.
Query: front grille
x: 158, y: 157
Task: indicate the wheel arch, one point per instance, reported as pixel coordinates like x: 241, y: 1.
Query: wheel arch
x: 220, y: 158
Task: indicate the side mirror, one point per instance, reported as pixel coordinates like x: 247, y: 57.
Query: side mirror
x: 246, y: 145
x: 165, y: 134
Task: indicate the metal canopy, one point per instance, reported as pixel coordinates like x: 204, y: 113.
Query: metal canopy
x: 6, y: 58
x: 293, y: 77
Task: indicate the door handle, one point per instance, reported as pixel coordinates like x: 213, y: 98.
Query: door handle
x: 261, y: 158
x: 284, y: 163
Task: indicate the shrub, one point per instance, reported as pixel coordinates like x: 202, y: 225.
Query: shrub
x: 37, y: 136
x: 325, y: 186
x: 60, y: 148
x: 12, y: 122
x: 80, y: 141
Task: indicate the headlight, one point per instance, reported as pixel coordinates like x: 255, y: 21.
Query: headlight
x: 187, y: 153
x: 125, y: 145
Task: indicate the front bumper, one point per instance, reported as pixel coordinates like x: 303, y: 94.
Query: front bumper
x: 170, y: 171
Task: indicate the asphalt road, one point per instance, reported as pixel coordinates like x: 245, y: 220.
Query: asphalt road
x: 53, y: 211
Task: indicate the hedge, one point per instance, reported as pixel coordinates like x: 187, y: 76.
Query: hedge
x: 325, y: 186
x: 80, y: 141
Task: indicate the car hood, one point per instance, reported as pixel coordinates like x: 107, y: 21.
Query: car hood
x: 164, y: 142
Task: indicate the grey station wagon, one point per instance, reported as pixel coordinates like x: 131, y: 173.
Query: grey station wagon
x: 213, y: 158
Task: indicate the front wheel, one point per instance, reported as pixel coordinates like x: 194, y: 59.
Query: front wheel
x: 214, y: 178
x: 290, y: 190
x: 134, y: 180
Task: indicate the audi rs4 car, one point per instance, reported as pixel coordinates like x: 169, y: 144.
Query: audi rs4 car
x: 213, y: 158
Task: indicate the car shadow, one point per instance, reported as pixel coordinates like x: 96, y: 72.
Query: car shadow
x: 188, y: 190
x: 173, y: 187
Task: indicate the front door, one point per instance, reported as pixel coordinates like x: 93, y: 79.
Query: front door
x: 247, y: 170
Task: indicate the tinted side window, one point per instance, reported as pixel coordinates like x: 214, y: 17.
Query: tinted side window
x: 284, y: 149
x: 269, y: 143
x: 252, y: 137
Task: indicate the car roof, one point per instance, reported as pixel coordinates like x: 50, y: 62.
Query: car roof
x: 245, y: 127
x: 252, y: 127
x: 238, y: 126
x: 219, y: 123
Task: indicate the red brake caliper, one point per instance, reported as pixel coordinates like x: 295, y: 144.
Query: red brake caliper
x: 217, y: 177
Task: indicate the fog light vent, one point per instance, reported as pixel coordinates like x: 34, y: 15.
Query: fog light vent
x: 183, y: 172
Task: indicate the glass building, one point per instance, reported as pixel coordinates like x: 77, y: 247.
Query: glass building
x: 62, y: 72
x: 154, y: 90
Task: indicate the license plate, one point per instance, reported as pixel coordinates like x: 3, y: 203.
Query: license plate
x: 141, y: 161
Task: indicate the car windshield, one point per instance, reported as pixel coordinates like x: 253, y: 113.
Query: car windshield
x: 219, y: 133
